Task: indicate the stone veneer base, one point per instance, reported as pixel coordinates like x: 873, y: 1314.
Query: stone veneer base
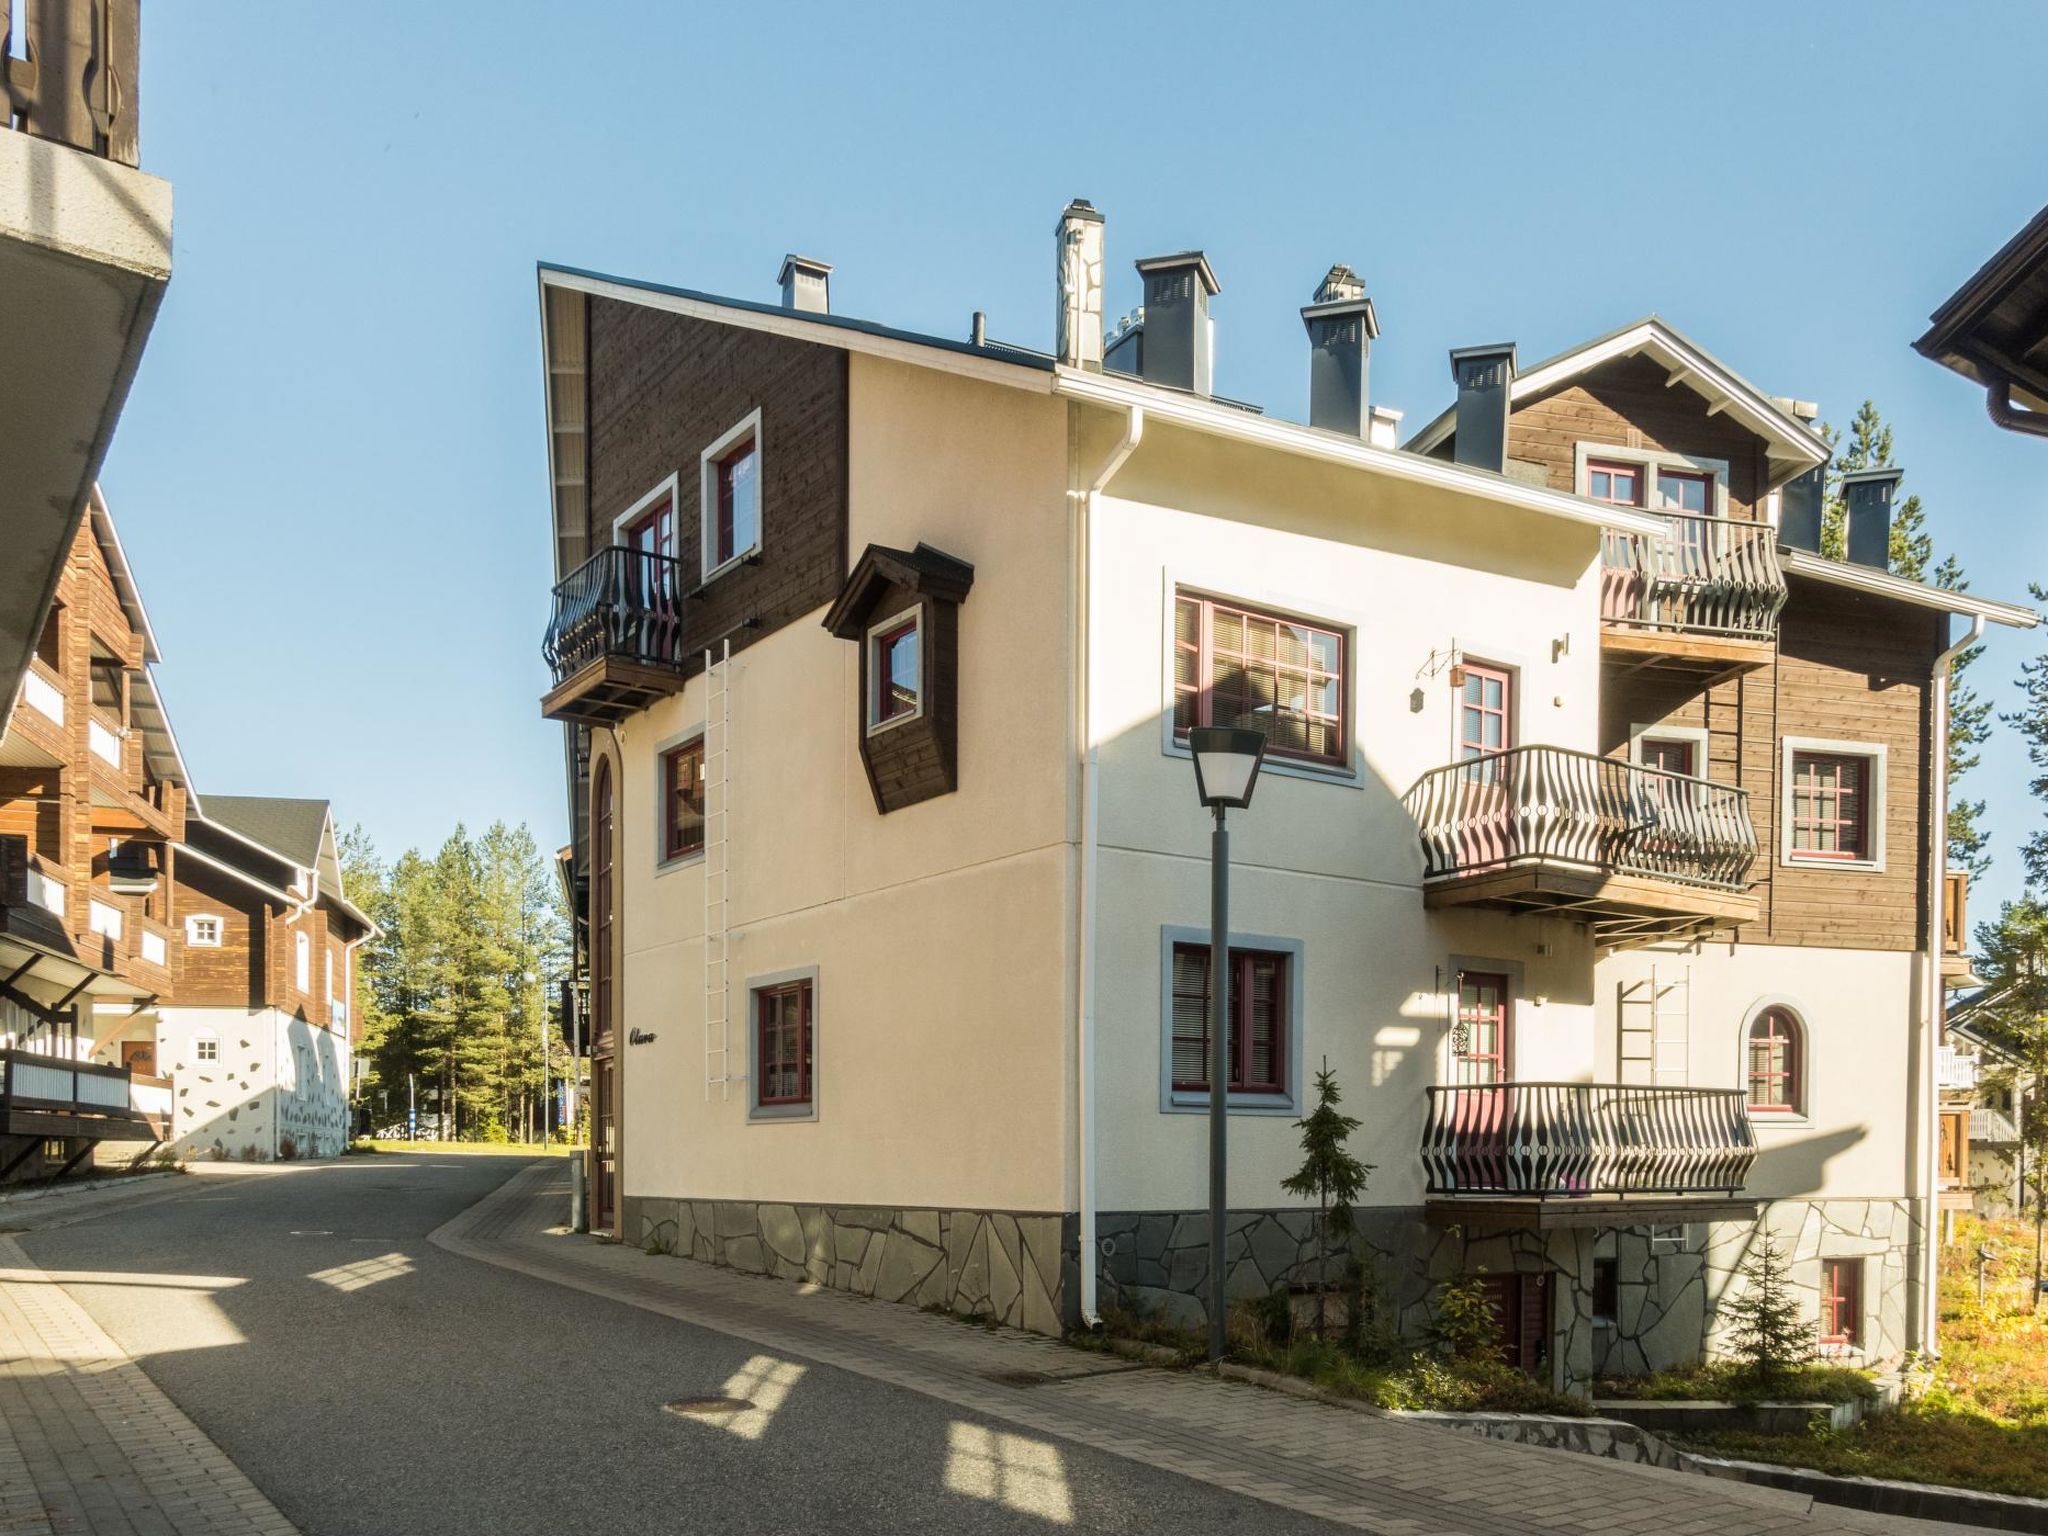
x: 999, y: 1265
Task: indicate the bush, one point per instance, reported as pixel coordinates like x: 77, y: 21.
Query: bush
x: 287, y: 1149
x: 1465, y: 1327
x: 1734, y: 1381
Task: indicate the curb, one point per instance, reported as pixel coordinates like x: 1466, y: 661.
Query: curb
x: 105, y: 1186
x: 1921, y: 1501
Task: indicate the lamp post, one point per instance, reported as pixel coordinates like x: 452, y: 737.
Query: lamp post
x: 1227, y: 763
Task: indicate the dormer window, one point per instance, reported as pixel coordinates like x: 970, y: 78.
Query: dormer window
x: 731, y: 471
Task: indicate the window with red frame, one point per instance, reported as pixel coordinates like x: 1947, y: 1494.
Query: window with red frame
x: 736, y: 488
x: 1486, y: 711
x: 1238, y: 667
x: 682, y: 801
x: 1621, y: 484
x: 1669, y: 755
x: 1775, y: 1063
x: 782, y: 1049
x: 1841, y: 1303
x: 1830, y: 806
x: 898, y: 681
x: 1259, y: 999
x: 1479, y: 1049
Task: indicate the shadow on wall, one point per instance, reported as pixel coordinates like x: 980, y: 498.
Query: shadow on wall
x: 263, y: 1100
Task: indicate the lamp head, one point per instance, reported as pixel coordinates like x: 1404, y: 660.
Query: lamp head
x: 1227, y: 762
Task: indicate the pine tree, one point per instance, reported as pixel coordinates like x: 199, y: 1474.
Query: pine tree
x: 1331, y: 1175
x: 2013, y: 959
x: 1969, y: 727
x: 2031, y: 721
x: 1769, y: 1329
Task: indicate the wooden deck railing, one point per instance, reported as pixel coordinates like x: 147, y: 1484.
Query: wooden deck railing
x: 620, y: 603
x: 74, y: 79
x: 1556, y: 1139
x: 1702, y: 575
x: 58, y: 1085
x: 1552, y: 804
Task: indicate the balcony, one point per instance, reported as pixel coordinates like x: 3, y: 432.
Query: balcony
x: 615, y: 640
x: 50, y: 1096
x: 1955, y: 929
x: 1702, y: 597
x: 1953, y: 1071
x: 1640, y: 854
x: 1580, y: 1154
x: 85, y: 253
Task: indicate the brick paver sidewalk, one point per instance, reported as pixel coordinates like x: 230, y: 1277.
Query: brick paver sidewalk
x: 1356, y: 1469
x: 89, y: 1444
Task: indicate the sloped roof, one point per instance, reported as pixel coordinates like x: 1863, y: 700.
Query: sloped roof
x: 1793, y: 446
x: 923, y: 570
x: 1996, y: 325
x: 291, y: 829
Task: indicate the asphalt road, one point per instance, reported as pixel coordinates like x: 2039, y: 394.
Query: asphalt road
x: 373, y: 1385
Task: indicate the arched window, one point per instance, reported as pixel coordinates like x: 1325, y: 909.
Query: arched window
x: 601, y: 900
x: 1777, y: 1063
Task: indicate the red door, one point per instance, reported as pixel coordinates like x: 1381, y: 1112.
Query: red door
x: 1485, y: 730
x: 1480, y: 1071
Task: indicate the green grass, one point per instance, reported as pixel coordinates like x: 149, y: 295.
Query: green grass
x: 1982, y: 1422
x: 1726, y: 1381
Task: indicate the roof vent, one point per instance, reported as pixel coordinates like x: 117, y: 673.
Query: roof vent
x: 1179, y: 341
x: 1484, y: 376
x: 1077, y: 326
x: 1341, y: 327
x: 806, y: 285
x: 1869, y: 493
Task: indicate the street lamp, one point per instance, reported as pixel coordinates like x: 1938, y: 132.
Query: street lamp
x: 1226, y: 771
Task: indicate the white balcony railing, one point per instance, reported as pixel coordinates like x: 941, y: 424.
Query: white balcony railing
x: 44, y: 892
x: 1954, y: 1070
x: 153, y: 948
x: 105, y: 742
x: 40, y: 694
x: 104, y: 920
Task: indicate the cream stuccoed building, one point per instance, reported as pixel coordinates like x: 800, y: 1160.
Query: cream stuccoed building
x: 1591, y: 852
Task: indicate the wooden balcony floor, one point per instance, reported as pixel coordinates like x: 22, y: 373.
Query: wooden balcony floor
x: 1631, y: 648
x: 1624, y: 909
x: 1550, y: 1213
x: 609, y: 689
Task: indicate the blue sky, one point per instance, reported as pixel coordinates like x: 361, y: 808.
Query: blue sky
x: 331, y: 473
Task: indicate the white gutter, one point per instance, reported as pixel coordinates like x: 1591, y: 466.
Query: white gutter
x: 1863, y: 578
x: 1091, y: 817
x: 1923, y: 1061
x: 1200, y: 415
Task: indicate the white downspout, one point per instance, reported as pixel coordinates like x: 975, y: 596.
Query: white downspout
x: 1923, y: 1065
x: 1084, y: 1053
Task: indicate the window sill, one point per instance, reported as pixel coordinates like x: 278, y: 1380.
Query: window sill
x: 742, y: 558
x: 1286, y: 768
x: 1778, y: 1119
x: 1847, y: 866
x: 1181, y: 1102
x: 680, y: 861
x: 883, y: 727
x: 769, y: 1114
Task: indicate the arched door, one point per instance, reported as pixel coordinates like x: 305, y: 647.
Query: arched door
x: 604, y: 1087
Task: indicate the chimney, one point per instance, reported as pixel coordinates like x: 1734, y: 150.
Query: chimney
x: 1385, y: 431
x: 1799, y: 509
x: 1869, y: 493
x: 1178, y: 339
x: 1077, y: 328
x: 1341, y: 327
x: 1484, y: 376
x: 806, y: 285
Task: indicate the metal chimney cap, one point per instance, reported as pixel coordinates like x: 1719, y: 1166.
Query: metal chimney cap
x: 1339, y: 309
x: 1147, y: 265
x: 1478, y: 354
x: 808, y: 266
x: 1080, y: 208
x: 1888, y: 476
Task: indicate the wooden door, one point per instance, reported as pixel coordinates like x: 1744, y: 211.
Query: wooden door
x: 139, y: 1057
x: 1955, y: 1146
x: 1521, y: 1307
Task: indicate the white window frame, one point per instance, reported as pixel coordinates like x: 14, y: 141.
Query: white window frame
x: 1874, y: 810
x: 205, y: 1048
x: 302, y: 961
x: 671, y: 487
x: 875, y: 725
x: 707, y: 496
x: 1651, y: 460
x: 192, y: 930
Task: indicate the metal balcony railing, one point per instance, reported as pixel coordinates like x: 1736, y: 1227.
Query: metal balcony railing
x: 621, y: 603
x: 1563, y: 1139
x: 1551, y: 804
x: 1702, y: 575
x: 68, y: 73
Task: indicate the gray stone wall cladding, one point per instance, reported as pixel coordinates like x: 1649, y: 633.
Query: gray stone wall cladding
x: 995, y: 1265
x: 1156, y: 1264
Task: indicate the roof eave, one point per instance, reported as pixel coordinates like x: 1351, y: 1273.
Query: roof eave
x: 1802, y: 562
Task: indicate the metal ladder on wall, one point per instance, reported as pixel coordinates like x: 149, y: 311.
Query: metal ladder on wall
x: 1655, y: 1019
x: 718, y: 871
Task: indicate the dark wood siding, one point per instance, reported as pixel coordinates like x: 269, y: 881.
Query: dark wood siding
x: 235, y: 975
x: 663, y: 388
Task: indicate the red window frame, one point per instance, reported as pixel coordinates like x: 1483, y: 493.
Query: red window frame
x: 601, y: 899
x: 1699, y: 477
x: 1259, y: 979
x: 725, y: 480
x: 1486, y: 1018
x: 1614, y: 470
x: 1837, y: 810
x: 1841, y: 1303
x: 654, y: 533
x: 1776, y: 1078
x: 1474, y: 710
x: 680, y: 767
x: 1659, y: 752
x: 780, y: 1044
x: 1216, y: 683
x: 887, y: 705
